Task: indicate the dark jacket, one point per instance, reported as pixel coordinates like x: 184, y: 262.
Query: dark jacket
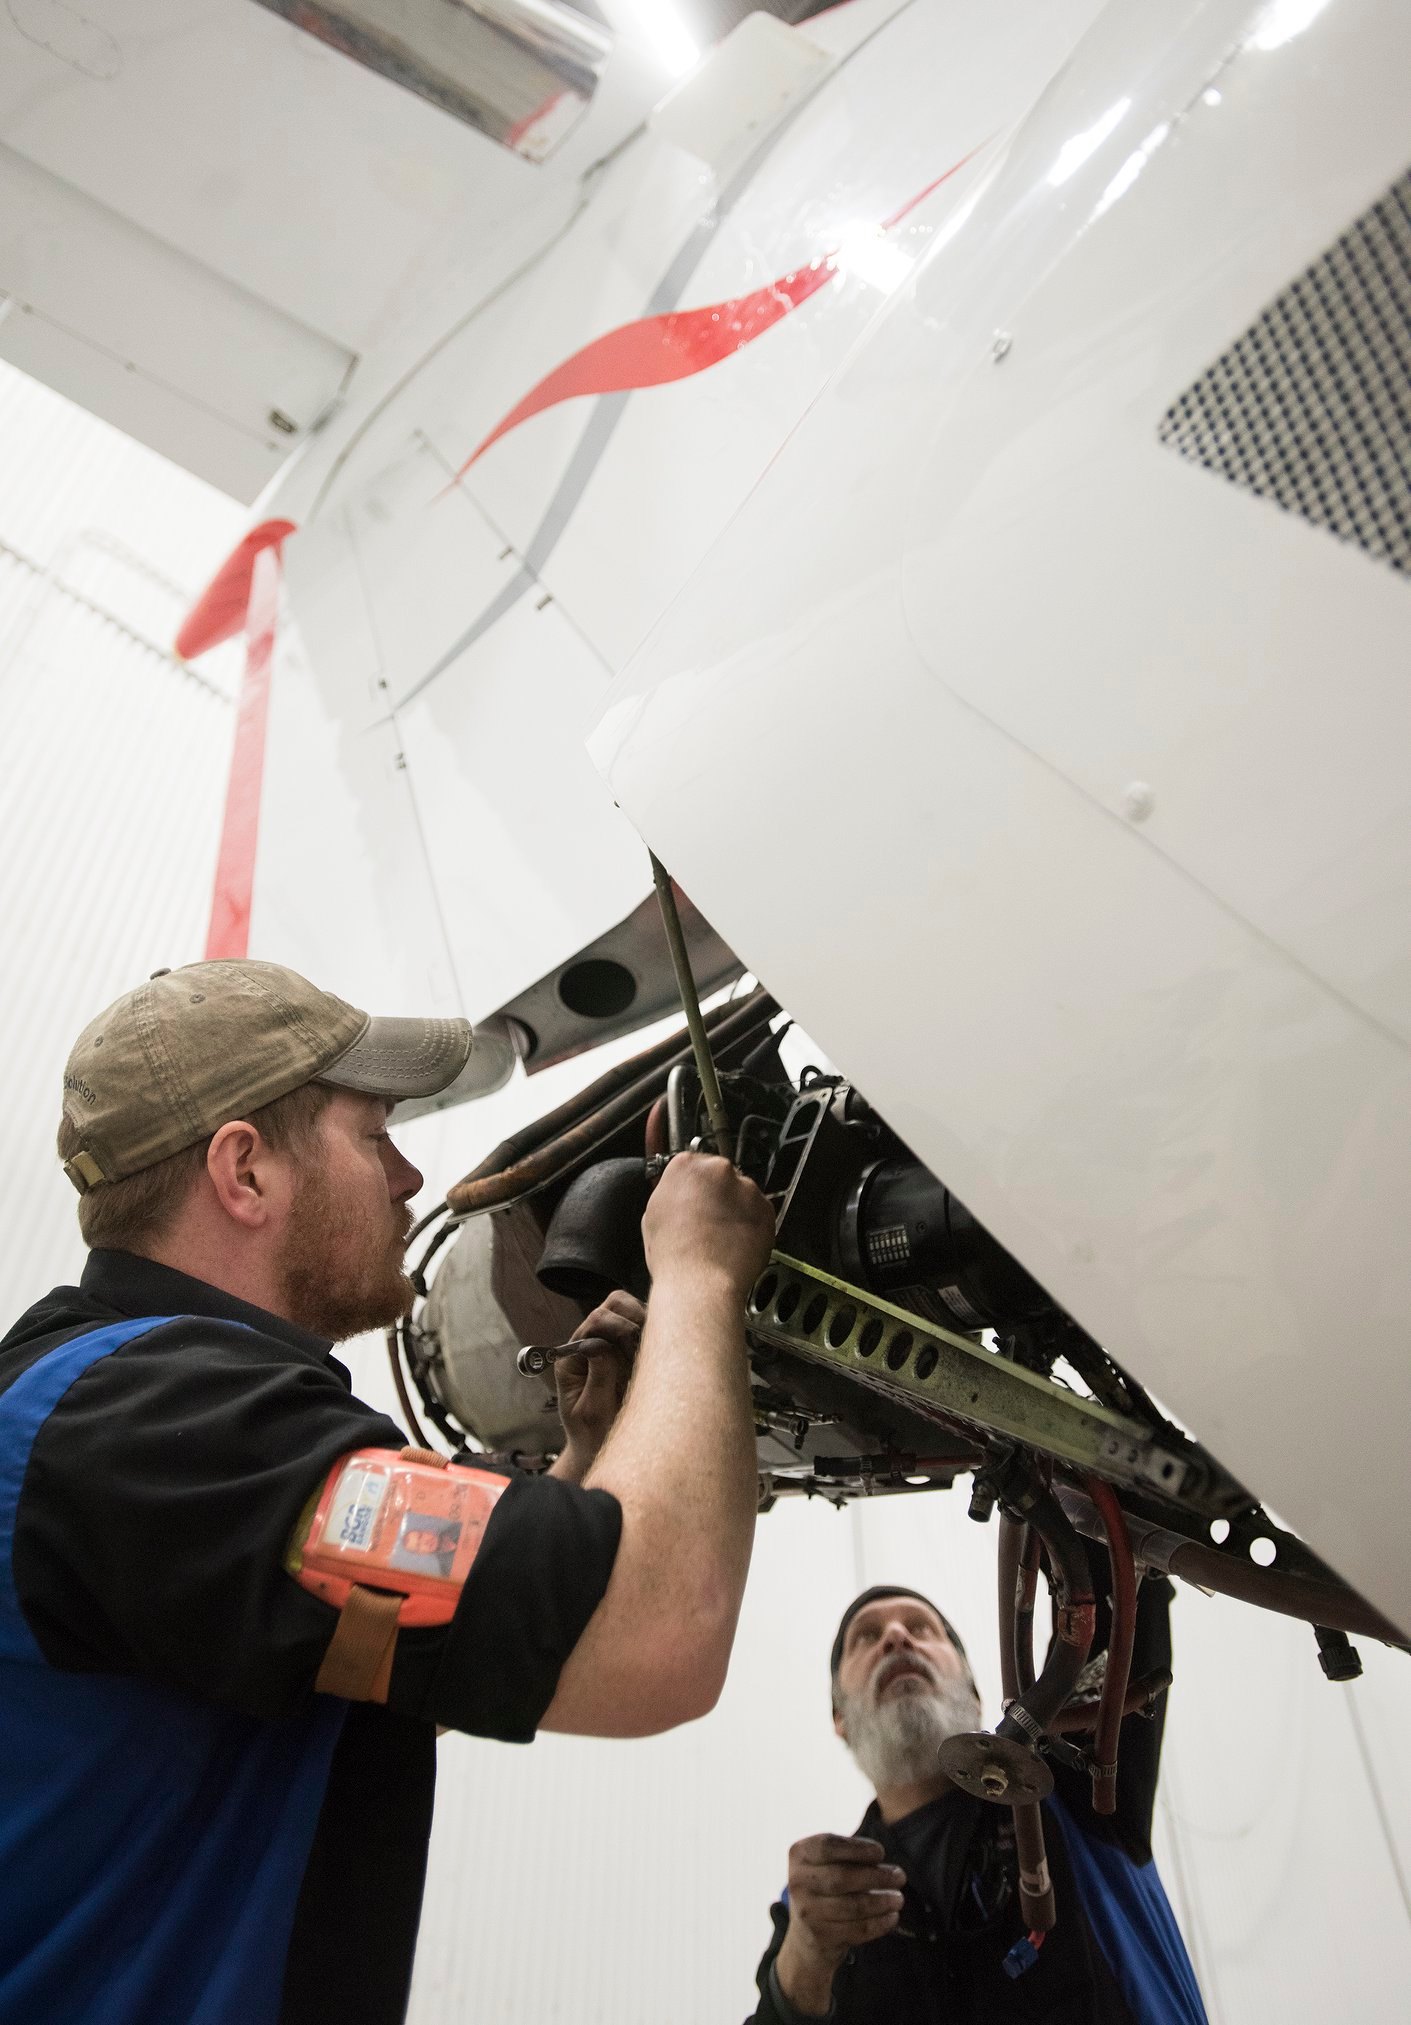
x: 1115, y: 1956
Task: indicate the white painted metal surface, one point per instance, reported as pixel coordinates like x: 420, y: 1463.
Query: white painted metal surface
x: 448, y: 638
x: 209, y: 218
x: 1156, y: 1060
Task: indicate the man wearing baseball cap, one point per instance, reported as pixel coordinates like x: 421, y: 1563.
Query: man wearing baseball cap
x: 916, y: 1917
x: 202, y: 1817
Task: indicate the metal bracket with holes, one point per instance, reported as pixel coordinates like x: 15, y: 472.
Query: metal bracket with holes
x: 811, y: 1315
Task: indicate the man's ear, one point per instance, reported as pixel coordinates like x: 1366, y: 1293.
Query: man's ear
x: 237, y: 1168
x: 839, y: 1726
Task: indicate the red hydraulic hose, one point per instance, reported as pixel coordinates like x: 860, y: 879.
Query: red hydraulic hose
x: 1018, y: 1570
x: 1026, y: 1591
x: 1036, y: 1901
x: 1119, y: 1645
x: 1011, y: 1547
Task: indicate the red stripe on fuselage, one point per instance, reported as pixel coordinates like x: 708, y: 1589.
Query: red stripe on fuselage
x: 219, y: 612
x: 229, y: 931
x: 659, y: 349
x: 652, y: 352
x: 921, y: 195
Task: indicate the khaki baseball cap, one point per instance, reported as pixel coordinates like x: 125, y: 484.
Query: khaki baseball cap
x: 170, y: 1063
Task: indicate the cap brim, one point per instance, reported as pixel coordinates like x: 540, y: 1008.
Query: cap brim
x: 397, y: 1059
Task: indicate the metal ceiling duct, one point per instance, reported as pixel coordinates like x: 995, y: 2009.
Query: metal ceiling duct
x: 521, y: 71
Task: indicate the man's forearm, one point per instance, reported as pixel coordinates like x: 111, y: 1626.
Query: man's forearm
x: 681, y: 1463
x: 681, y: 1459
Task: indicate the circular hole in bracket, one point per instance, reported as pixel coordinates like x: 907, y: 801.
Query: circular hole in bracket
x: 840, y: 1328
x: 813, y: 1314
x: 763, y: 1293
x: 899, y: 1349
x: 869, y: 1339
x: 1263, y: 1552
x: 927, y: 1359
x: 1219, y: 1531
x: 789, y: 1298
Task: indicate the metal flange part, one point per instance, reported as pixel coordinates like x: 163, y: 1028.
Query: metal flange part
x: 994, y: 1768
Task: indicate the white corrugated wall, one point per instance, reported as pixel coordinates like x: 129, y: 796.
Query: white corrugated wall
x: 114, y: 761
x: 582, y: 1882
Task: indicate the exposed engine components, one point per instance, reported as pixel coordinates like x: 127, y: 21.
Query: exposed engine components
x: 902, y: 1232
x: 894, y: 1346
x: 1006, y: 1767
x: 602, y: 1119
x: 465, y: 1338
x: 971, y: 1388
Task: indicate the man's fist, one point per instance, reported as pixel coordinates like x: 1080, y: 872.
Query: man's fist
x: 842, y: 1894
x: 703, y: 1214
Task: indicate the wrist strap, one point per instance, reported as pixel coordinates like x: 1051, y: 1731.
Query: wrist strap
x: 358, y: 1662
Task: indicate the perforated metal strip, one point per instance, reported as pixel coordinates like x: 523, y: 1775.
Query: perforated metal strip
x: 797, y: 1308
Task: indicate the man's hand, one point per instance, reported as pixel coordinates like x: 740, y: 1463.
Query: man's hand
x: 704, y: 1216
x: 842, y: 1894
x: 591, y: 1389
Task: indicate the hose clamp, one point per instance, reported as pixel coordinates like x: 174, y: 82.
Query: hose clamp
x: 1019, y: 1716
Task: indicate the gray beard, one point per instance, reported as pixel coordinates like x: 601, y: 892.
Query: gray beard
x: 895, y: 1743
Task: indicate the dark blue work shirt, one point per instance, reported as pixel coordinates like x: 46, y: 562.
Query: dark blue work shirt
x: 188, y: 1833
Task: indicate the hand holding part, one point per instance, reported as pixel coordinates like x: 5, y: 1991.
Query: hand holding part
x: 842, y: 1894
x: 591, y: 1385
x: 705, y: 1215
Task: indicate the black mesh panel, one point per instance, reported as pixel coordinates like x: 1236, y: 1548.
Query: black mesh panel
x: 1311, y: 407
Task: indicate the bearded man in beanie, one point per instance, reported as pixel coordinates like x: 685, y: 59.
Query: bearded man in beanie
x: 914, y: 1919
x: 215, y: 1778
